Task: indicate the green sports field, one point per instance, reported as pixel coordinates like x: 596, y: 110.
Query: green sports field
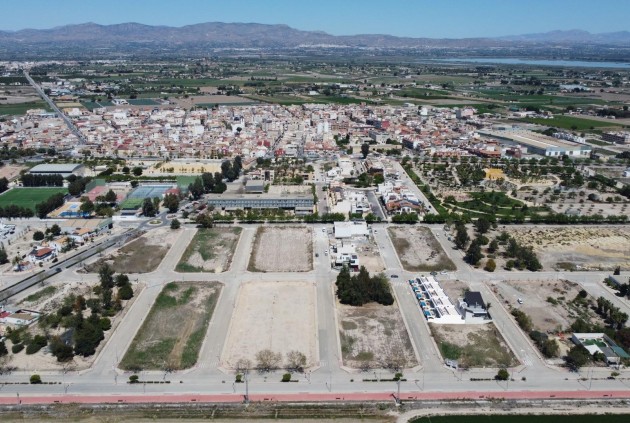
x: 28, y: 197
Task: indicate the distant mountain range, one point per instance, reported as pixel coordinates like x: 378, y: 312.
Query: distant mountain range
x: 252, y: 35
x: 86, y: 40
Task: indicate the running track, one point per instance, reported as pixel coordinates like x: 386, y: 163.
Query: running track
x: 306, y: 397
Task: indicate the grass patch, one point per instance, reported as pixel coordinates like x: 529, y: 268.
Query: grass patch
x: 29, y: 197
x: 135, y: 257
x: 473, y: 345
x: 21, y: 108
x: 167, y: 342
x: 42, y: 293
x: 216, y: 245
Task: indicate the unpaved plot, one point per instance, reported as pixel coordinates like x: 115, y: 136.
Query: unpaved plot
x: 49, y: 300
x: 141, y: 255
x: 549, y: 303
x: 588, y: 248
x: 473, y: 345
x: 282, y: 249
x: 172, y: 334
x: 279, y: 316
x: 418, y: 250
x: 374, y: 336
x: 370, y: 257
x: 210, y: 250
x: 455, y: 289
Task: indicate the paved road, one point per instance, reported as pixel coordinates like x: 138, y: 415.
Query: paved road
x: 330, y: 378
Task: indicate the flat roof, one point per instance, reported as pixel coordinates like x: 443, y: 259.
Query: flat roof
x: 57, y: 168
x: 533, y: 139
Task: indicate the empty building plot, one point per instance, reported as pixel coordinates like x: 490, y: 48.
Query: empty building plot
x: 418, y: 250
x: 374, y: 336
x: 210, y: 250
x: 282, y: 249
x: 276, y: 316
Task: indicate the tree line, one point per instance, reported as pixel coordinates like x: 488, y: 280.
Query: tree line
x: 360, y: 289
x: 36, y: 180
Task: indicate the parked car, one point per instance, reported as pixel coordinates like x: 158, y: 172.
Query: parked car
x: 394, y: 276
x: 520, y: 301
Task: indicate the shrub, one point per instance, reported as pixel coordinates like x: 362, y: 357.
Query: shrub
x: 37, y: 343
x: 175, y: 224
x: 134, y: 379
x: 502, y: 374
x: 286, y: 377
x: 3, y: 349
x: 491, y: 265
x: 17, y: 348
x: 35, y: 379
x: 38, y: 236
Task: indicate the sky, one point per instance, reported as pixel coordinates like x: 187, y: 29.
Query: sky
x: 412, y: 18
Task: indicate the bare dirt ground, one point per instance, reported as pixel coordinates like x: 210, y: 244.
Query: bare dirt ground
x: 454, y: 289
x: 369, y: 256
x: 290, y: 189
x: 585, y: 248
x: 164, y: 342
x: 142, y: 255
x: 549, y: 303
x: 374, y: 336
x: 211, y: 99
x: 473, y: 345
x: 282, y: 249
x: 279, y: 316
x: 418, y: 250
x: 210, y: 250
x: 10, y: 171
x: 50, y: 303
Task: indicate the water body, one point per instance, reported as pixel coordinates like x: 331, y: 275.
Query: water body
x: 537, y: 62
x: 611, y: 418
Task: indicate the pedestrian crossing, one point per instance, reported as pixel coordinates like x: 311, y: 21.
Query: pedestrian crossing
x: 212, y: 364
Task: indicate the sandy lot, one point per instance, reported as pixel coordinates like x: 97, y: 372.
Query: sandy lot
x: 370, y: 257
x: 191, y: 167
x: 374, y: 336
x: 210, y: 250
x: 10, y: 171
x: 279, y: 316
x: 418, y: 249
x: 282, y: 249
x: 167, y: 343
x: 477, y: 345
x: 454, y: 289
x: 142, y: 255
x: 546, y: 317
x: 586, y: 247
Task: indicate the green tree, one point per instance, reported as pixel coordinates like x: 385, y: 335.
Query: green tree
x: 148, y: 208
x: 121, y: 280
x: 3, y: 349
x: 126, y: 170
x: 4, y: 258
x: 87, y: 206
x: 55, y: 230
x: 461, y: 237
x: 502, y: 374
x: 171, y: 202
x: 38, y: 236
x: 490, y: 265
x: 125, y: 292
x: 365, y: 149
x: 473, y: 254
x: 35, y: 379
x: 110, y: 196
x: 482, y: 225
x: 106, y: 276
x: 175, y: 224
x: 577, y: 357
x: 137, y: 171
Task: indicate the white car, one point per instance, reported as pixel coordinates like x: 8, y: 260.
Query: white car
x: 520, y: 301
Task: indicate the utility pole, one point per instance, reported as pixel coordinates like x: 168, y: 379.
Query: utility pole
x: 398, y: 392
x: 246, y: 386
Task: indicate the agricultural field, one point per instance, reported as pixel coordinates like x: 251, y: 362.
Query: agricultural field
x: 473, y: 345
x: 210, y: 250
x: 282, y: 249
x: 21, y: 108
x: 572, y: 123
x: 276, y: 316
x: 374, y: 336
x: 28, y: 197
x: 167, y: 343
x: 142, y: 255
x: 418, y: 250
x: 578, y: 247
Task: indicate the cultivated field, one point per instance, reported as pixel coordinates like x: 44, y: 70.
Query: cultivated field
x: 142, y: 255
x: 166, y: 341
x: 210, y: 250
x: 473, y: 345
x: 278, y: 316
x: 418, y: 250
x: 282, y: 249
x: 571, y: 248
x: 374, y: 336
x: 28, y: 197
